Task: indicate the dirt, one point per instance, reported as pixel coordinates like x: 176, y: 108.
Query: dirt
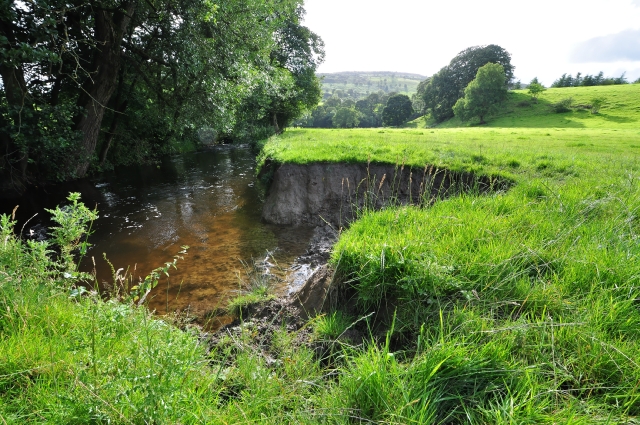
x: 330, y: 196
x: 319, y: 194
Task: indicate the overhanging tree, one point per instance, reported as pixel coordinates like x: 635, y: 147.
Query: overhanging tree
x: 80, y: 72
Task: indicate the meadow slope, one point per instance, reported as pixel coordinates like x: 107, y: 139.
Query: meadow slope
x: 531, y: 293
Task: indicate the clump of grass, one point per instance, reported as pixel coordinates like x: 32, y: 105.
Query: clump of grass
x: 332, y: 325
x: 256, y: 283
x: 597, y: 103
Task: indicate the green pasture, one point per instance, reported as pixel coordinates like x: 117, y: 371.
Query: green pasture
x: 537, y: 286
x: 520, y: 306
x: 621, y: 110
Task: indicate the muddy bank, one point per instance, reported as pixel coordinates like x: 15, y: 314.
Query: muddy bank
x: 321, y: 193
x: 330, y: 196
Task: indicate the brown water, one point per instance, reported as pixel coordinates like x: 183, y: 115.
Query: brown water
x: 208, y: 200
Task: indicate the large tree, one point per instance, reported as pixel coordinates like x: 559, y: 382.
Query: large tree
x: 445, y: 87
x: 484, y: 94
x: 397, y: 110
x: 79, y: 74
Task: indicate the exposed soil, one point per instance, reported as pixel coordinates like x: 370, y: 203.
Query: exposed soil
x: 330, y: 196
x: 320, y: 193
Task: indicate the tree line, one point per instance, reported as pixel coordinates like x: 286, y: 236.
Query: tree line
x: 376, y: 110
x: 88, y: 84
x: 567, y: 80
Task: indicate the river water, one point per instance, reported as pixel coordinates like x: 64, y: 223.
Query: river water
x: 208, y: 200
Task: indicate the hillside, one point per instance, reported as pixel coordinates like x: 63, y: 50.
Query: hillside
x: 358, y: 85
x: 621, y: 110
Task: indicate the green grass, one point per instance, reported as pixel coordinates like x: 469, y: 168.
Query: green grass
x: 534, y: 289
x: 512, y: 307
x: 621, y: 110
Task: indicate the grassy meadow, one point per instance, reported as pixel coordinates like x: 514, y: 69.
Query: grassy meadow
x: 531, y: 296
x: 516, y: 307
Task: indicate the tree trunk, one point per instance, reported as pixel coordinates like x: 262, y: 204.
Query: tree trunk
x: 276, y: 128
x: 15, y: 89
x: 110, y: 29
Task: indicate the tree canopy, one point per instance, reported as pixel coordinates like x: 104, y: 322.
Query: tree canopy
x: 483, y: 94
x: 447, y: 86
x: 397, y: 110
x: 84, y: 81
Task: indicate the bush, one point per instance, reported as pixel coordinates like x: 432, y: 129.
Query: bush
x: 563, y: 106
x: 597, y: 103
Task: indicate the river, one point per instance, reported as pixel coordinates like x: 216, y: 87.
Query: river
x: 209, y: 200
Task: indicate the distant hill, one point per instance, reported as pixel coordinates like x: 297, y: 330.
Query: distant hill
x: 358, y: 85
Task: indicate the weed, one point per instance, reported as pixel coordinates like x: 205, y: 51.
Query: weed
x: 256, y: 284
x: 332, y: 325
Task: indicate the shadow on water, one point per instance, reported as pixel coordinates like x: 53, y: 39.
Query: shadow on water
x: 208, y: 200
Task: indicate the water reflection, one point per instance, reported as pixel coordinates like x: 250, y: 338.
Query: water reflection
x: 207, y: 200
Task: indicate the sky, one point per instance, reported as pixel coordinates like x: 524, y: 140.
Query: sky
x: 546, y: 38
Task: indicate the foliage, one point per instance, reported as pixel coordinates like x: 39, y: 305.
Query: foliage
x: 564, y: 105
x: 447, y: 85
x: 359, y: 85
x: 72, y: 221
x: 484, y: 94
x: 345, y: 118
x: 397, y: 111
x: 588, y: 80
x: 88, y: 83
x: 597, y: 103
x: 368, y: 112
x: 535, y: 89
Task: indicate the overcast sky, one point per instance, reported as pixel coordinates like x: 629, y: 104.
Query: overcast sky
x: 546, y: 38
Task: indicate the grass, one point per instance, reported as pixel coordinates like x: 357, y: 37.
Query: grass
x: 512, y: 307
x: 537, y: 288
x: 620, y: 111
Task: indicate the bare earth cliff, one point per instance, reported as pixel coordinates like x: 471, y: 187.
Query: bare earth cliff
x: 321, y: 193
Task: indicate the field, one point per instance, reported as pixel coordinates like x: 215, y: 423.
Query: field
x: 360, y: 84
x: 530, y: 294
x: 520, y: 306
x: 621, y: 110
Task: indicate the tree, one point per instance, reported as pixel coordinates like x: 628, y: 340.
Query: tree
x: 535, y: 88
x: 448, y: 84
x: 484, y: 94
x: 597, y: 103
x: 79, y: 75
x: 397, y: 110
x: 346, y: 118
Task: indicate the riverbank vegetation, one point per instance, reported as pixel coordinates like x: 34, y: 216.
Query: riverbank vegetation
x: 519, y: 306
x: 529, y: 296
x: 89, y: 85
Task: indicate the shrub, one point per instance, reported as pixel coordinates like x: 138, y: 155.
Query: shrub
x: 597, y: 103
x: 563, y: 106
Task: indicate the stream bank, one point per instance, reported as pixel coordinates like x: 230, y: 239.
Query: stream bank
x: 330, y: 196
